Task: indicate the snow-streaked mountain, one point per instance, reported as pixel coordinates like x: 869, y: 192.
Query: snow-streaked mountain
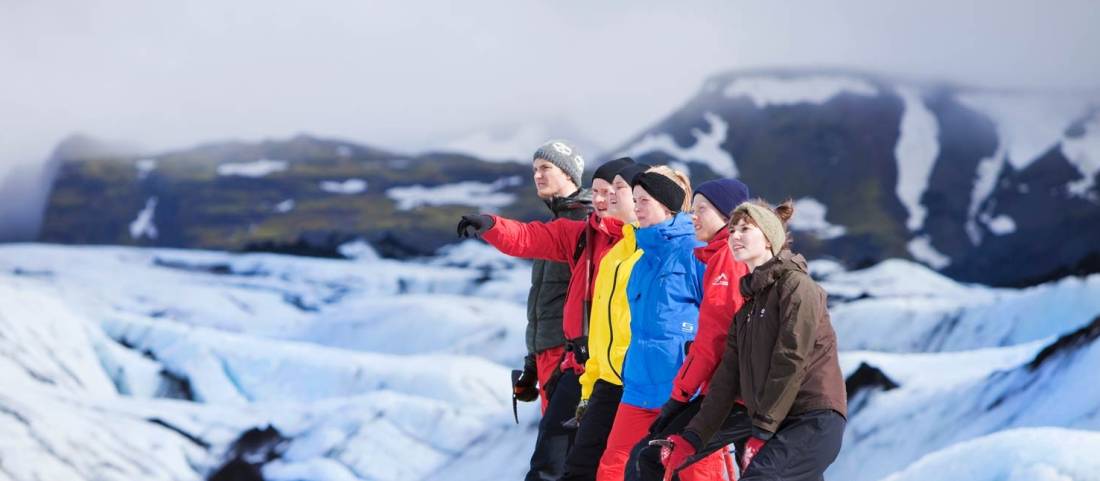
x: 961, y: 179
x: 302, y: 195
x: 125, y: 363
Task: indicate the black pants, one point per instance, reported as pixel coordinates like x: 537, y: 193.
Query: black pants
x: 803, y: 447
x: 591, y: 440
x: 645, y: 460
x: 554, y: 441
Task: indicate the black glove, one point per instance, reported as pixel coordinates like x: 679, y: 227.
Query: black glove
x: 524, y: 389
x: 474, y: 225
x: 579, y: 348
x: 669, y: 411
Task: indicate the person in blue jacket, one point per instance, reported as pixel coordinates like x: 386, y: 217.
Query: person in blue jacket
x: 664, y: 293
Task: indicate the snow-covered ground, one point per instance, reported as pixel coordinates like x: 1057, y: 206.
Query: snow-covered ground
x: 124, y: 363
x: 370, y: 369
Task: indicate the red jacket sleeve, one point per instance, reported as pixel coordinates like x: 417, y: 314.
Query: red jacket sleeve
x: 721, y: 300
x: 554, y: 241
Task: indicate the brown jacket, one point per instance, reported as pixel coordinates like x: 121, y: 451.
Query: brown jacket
x: 781, y: 357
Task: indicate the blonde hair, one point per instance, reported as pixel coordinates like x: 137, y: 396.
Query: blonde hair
x: 680, y: 178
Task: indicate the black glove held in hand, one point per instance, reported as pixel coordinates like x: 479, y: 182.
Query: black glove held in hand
x: 474, y: 225
x: 524, y: 388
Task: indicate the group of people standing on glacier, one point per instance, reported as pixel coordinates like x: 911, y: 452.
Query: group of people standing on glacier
x: 666, y: 324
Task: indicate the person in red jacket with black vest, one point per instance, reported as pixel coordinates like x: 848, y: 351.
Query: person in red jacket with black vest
x: 712, y: 204
x: 579, y: 245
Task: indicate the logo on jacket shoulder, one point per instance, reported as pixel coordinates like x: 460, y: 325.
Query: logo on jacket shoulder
x: 721, y: 280
x: 687, y: 327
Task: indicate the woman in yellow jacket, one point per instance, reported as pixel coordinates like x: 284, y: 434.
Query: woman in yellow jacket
x: 608, y: 337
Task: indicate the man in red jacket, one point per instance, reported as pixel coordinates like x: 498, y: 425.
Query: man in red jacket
x: 712, y: 203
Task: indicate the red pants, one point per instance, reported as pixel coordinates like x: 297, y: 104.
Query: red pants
x: 546, y: 361
x: 630, y: 427
x: 712, y: 467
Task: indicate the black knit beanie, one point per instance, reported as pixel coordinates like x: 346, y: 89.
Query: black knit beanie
x: 608, y: 170
x: 631, y: 171
x: 662, y: 188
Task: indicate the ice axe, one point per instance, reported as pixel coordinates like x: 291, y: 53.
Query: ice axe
x: 516, y: 373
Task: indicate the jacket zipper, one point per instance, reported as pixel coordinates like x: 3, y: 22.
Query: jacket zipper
x: 538, y: 316
x: 610, y: 326
x: 538, y: 292
x: 750, y: 327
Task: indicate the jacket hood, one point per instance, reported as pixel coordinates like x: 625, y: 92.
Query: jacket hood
x: 773, y: 270
x: 655, y: 238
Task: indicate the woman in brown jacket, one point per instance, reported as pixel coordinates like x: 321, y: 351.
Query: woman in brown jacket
x: 781, y: 358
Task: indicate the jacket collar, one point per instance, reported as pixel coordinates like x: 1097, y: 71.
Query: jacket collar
x: 655, y: 238
x: 608, y: 225
x: 764, y: 276
x: 719, y: 242
x: 581, y: 199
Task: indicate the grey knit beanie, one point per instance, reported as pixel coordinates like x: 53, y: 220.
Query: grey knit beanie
x: 564, y: 156
x: 768, y: 223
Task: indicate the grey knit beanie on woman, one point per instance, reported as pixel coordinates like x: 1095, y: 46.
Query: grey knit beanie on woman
x: 565, y: 156
x: 768, y: 223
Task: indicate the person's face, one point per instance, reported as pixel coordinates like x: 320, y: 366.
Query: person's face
x: 551, y: 181
x: 749, y: 244
x: 647, y: 209
x: 601, y: 196
x: 708, y: 222
x: 621, y: 200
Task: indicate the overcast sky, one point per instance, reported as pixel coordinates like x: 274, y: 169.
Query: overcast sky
x: 395, y: 74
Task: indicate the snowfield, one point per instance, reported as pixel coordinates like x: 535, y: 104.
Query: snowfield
x: 127, y: 363
x: 916, y: 151
x: 483, y: 195
x: 707, y: 148
x: 258, y: 168
x: 344, y: 187
x: 811, y: 218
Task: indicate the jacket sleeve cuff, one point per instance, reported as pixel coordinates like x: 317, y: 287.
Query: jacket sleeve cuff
x: 764, y: 434
x: 679, y: 395
x: 693, y: 439
x: 586, y: 389
x: 765, y: 423
x: 495, y: 222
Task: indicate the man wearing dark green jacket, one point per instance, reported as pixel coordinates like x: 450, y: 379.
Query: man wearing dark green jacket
x: 557, y: 169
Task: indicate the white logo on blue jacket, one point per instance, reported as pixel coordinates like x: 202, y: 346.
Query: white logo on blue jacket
x: 687, y: 327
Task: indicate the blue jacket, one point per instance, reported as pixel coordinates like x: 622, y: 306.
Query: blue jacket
x: 664, y: 293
